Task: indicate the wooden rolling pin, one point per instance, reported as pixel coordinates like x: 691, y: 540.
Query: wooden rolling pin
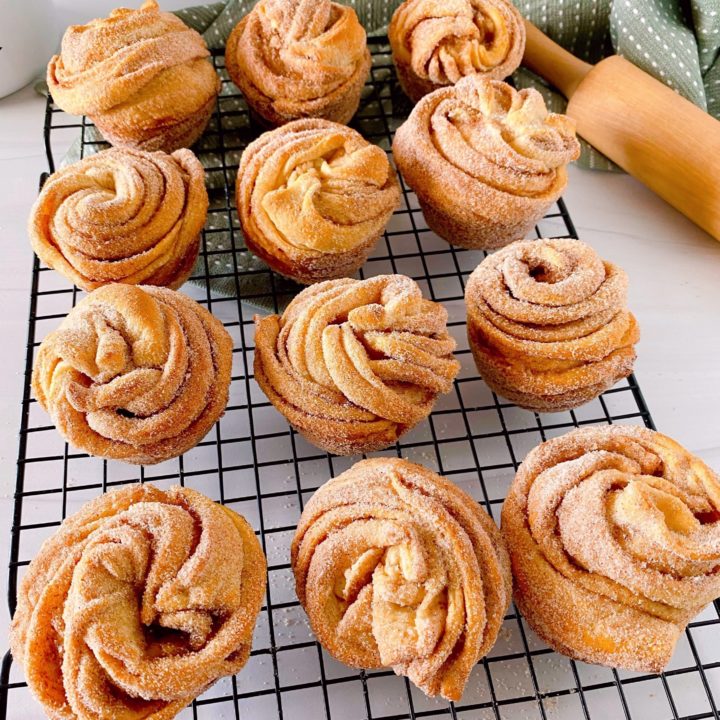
x: 662, y: 139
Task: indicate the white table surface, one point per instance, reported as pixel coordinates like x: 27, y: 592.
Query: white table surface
x: 674, y: 271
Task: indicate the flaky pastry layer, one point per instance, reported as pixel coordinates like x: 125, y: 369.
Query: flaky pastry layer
x: 397, y: 567
x: 499, y: 151
x: 614, y: 538
x: 437, y: 42
x: 122, y: 216
x: 313, y: 198
x: 354, y: 364
x: 548, y: 323
x: 137, y: 604
x: 134, y: 373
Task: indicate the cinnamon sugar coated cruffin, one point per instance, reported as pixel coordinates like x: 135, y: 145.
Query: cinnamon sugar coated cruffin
x: 548, y: 323
x: 134, y: 373
x: 500, y: 151
x: 397, y: 567
x: 614, y: 538
x: 142, y: 76
x: 137, y: 604
x: 122, y: 216
x: 313, y: 199
x: 354, y: 364
x: 299, y: 58
x: 437, y: 42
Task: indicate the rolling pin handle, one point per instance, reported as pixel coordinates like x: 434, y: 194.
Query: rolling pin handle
x: 650, y: 131
x: 548, y: 60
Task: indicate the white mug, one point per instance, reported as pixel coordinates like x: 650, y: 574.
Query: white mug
x: 27, y: 39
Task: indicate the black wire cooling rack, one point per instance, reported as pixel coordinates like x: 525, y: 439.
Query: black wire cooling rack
x: 254, y: 463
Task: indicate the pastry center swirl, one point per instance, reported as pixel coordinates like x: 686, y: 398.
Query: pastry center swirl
x: 132, y: 609
x: 551, y: 289
x: 502, y: 137
x: 326, y: 192
x: 634, y: 520
x: 121, y: 215
x: 133, y: 369
x: 372, y: 348
x: 445, y: 41
x: 304, y: 49
x: 107, y: 62
x: 397, y: 569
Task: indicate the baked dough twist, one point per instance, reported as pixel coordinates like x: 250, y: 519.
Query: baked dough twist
x: 614, y: 538
x: 548, y: 324
x: 313, y: 198
x: 142, y: 76
x: 500, y: 151
x: 437, y: 42
x: 397, y: 567
x: 299, y: 58
x: 354, y: 364
x: 122, y: 216
x: 134, y: 373
x: 137, y: 604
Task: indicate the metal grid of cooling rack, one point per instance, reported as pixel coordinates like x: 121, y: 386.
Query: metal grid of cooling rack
x: 254, y: 463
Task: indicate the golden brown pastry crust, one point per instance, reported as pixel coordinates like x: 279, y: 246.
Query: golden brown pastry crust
x: 548, y: 324
x: 299, y: 58
x: 614, y: 538
x: 134, y: 373
x: 142, y: 76
x: 499, y: 149
x: 122, y: 216
x: 397, y: 567
x: 354, y: 364
x: 313, y: 198
x: 437, y: 42
x: 137, y: 604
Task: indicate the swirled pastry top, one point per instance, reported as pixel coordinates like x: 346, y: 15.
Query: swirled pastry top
x: 445, y: 40
x: 489, y: 131
x: 558, y: 292
x: 356, y: 358
x: 315, y: 185
x: 625, y: 513
x: 110, y: 61
x: 136, y: 373
x: 397, y: 567
x: 136, y: 604
x: 122, y: 216
x: 299, y: 50
x: 548, y: 323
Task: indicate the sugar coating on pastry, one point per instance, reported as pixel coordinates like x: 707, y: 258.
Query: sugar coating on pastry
x: 354, y: 364
x: 548, y: 323
x: 134, y: 373
x: 398, y: 567
x: 122, y: 216
x: 499, y: 149
x: 614, y: 538
x: 313, y: 198
x: 142, y: 76
x: 438, y: 42
x: 136, y: 604
x: 299, y: 58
